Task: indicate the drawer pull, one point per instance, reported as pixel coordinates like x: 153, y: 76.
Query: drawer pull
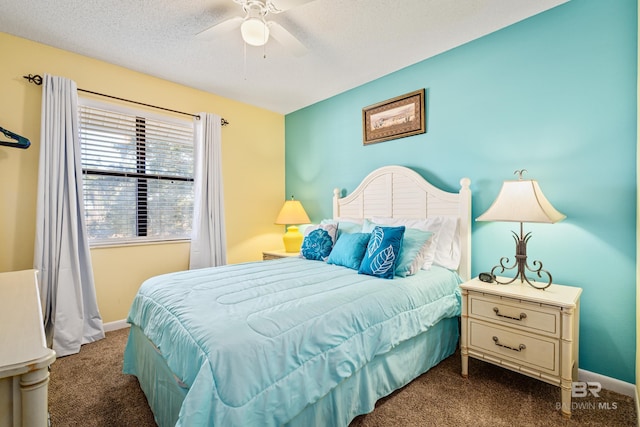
x: 520, y: 347
x: 497, y: 311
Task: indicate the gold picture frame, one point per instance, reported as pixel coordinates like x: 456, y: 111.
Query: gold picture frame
x: 394, y: 118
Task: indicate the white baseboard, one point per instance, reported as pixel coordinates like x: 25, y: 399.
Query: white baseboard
x: 609, y: 383
x: 114, y: 326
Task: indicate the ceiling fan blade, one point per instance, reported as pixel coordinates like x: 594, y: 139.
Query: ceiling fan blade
x: 221, y: 28
x: 286, y: 39
x: 277, y: 6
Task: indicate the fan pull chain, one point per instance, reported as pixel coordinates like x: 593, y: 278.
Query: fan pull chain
x: 245, y: 61
x: 264, y: 46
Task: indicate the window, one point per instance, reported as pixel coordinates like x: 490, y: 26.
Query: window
x: 137, y: 175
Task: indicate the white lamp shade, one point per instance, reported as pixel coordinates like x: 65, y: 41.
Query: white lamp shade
x: 292, y: 212
x: 254, y: 31
x: 521, y: 201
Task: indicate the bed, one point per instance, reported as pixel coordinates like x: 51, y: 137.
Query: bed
x: 304, y: 342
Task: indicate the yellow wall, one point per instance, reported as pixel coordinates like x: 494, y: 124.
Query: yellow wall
x: 253, y: 168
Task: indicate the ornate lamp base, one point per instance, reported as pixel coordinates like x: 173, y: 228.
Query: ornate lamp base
x: 521, y: 263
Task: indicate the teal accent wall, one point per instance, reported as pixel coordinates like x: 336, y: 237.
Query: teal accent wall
x: 554, y: 94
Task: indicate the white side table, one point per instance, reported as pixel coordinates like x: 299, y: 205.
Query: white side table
x: 527, y: 330
x: 24, y: 356
x: 267, y: 255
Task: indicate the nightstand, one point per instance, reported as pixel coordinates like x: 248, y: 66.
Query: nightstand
x: 527, y: 330
x: 24, y: 355
x: 267, y: 255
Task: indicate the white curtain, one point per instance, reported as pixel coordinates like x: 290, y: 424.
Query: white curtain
x: 61, y: 253
x: 208, y: 237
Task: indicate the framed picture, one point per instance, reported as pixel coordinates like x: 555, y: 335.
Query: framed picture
x: 394, y: 118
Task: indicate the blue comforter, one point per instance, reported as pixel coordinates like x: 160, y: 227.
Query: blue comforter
x: 255, y: 343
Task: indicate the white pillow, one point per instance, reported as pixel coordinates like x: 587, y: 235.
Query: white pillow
x: 443, y: 248
x: 448, y: 247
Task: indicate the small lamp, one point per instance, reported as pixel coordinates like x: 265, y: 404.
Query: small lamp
x: 292, y: 213
x: 521, y: 201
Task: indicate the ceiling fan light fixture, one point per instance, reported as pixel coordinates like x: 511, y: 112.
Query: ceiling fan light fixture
x: 254, y: 31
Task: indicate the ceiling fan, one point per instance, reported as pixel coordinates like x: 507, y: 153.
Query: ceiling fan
x: 255, y: 29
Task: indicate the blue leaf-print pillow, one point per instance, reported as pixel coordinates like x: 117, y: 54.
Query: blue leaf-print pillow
x: 382, y: 252
x: 318, y: 242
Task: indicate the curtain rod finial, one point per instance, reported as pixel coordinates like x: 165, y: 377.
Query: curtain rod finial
x: 37, y: 79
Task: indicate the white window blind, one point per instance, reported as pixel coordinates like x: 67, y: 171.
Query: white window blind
x: 137, y: 175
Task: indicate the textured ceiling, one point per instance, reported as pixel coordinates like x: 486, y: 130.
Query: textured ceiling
x: 349, y: 42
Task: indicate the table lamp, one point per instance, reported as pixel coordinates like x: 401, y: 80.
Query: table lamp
x: 521, y: 201
x: 292, y: 213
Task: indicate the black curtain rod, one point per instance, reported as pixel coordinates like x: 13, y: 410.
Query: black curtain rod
x: 37, y: 79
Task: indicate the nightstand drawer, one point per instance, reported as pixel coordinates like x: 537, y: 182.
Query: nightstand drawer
x: 527, y: 350
x: 525, y: 316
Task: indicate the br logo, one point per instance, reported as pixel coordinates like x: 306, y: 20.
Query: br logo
x: 582, y: 389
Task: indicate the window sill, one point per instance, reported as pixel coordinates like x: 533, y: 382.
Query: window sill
x: 130, y: 243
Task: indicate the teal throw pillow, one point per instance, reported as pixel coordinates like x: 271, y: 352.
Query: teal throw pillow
x: 383, y: 251
x: 349, y: 250
x: 317, y: 245
x: 411, y: 259
x: 349, y: 227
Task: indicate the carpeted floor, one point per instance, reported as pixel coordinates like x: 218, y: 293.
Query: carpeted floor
x: 89, y: 389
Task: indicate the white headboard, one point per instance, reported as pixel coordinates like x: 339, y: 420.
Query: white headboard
x: 399, y: 192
